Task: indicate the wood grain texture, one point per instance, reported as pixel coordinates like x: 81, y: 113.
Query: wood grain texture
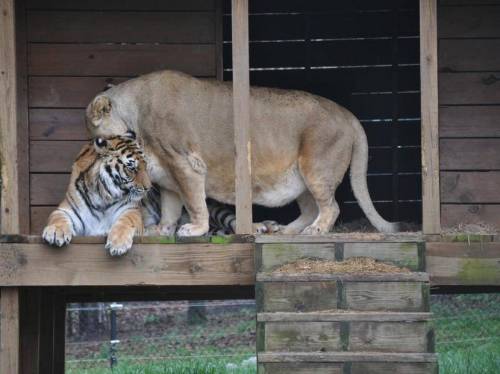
x: 146, y: 264
x: 401, y: 254
x: 66, y: 92
x: 303, y: 337
x: 469, y: 22
x: 465, y: 263
x: 297, y: 296
x: 159, y: 5
x: 346, y: 357
x: 356, y: 237
x: 53, y: 157
x: 273, y: 255
x: 469, y: 154
x: 469, y: 55
x: 384, y: 296
x: 120, y: 60
x: 343, y: 316
x: 121, y: 27
x: 241, y: 113
x: 58, y: 124
x: 22, y: 117
x: 47, y: 189
x: 469, y: 88
x: 429, y: 115
x: 469, y: 121
x: 388, y: 337
x: 470, y: 187
x: 308, y: 368
x: 455, y: 214
x: 9, y: 330
x: 38, y: 218
x: 10, y: 213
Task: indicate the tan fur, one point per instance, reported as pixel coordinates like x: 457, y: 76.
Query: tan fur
x: 302, y: 146
x: 114, y: 212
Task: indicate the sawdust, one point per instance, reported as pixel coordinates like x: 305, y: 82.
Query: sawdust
x: 365, y: 265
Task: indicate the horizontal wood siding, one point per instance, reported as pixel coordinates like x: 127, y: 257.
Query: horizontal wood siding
x: 77, y: 49
x: 469, y: 98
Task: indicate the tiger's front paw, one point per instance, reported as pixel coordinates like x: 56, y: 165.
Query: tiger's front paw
x: 160, y: 230
x: 266, y: 227
x: 189, y: 229
x: 57, y: 235
x: 119, y: 241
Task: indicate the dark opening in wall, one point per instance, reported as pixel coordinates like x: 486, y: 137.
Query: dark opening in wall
x: 363, y: 55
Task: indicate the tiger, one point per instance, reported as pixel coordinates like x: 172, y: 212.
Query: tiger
x: 108, y: 181
x: 110, y: 193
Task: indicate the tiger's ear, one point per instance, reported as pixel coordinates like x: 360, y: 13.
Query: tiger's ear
x: 98, y: 109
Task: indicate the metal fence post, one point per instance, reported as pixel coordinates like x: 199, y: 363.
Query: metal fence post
x: 113, y: 360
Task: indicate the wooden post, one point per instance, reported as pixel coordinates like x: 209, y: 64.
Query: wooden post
x: 9, y: 337
x: 429, y: 112
x: 241, y: 113
x: 9, y: 215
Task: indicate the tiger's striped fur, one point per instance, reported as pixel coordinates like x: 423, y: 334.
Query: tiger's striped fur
x: 107, y: 183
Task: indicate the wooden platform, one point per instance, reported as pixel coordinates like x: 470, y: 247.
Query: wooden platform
x: 352, y: 323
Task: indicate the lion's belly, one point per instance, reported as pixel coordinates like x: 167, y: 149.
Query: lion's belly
x: 270, y: 191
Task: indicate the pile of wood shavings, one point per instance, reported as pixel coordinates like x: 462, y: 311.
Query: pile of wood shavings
x: 352, y: 265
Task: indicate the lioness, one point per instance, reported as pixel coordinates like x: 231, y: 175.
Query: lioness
x: 302, y: 145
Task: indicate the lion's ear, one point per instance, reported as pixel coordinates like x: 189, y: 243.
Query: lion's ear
x: 100, y: 107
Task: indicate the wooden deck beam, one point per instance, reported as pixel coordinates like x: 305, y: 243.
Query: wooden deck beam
x: 147, y: 264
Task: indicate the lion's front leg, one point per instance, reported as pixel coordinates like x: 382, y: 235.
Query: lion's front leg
x: 190, y: 177
x: 121, y: 235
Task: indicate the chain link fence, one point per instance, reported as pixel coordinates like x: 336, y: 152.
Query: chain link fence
x: 467, y: 330
x: 213, y: 336
x: 219, y: 336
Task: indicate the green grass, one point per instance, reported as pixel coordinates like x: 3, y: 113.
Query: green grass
x: 467, y: 333
x: 190, y: 366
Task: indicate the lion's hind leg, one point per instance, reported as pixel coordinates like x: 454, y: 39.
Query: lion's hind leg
x: 324, y: 158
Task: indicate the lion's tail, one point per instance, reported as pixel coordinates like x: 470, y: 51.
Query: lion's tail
x: 359, y: 166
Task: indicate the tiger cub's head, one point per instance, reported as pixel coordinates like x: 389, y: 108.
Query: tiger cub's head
x: 116, y: 169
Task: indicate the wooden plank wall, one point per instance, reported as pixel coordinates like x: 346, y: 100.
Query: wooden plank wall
x: 469, y: 98
x: 75, y: 49
x: 362, y: 54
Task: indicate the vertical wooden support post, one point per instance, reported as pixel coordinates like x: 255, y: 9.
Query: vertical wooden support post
x: 9, y: 215
x: 429, y: 113
x: 9, y: 325
x: 8, y: 120
x: 241, y: 113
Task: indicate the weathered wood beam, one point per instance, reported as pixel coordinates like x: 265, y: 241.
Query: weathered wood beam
x: 431, y: 223
x: 147, y: 264
x: 466, y: 263
x: 9, y: 331
x: 241, y: 113
x: 8, y: 120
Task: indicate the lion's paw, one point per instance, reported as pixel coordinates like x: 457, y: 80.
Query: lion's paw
x: 119, y: 242
x: 313, y: 230
x: 57, y: 235
x: 189, y: 229
x: 160, y: 230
